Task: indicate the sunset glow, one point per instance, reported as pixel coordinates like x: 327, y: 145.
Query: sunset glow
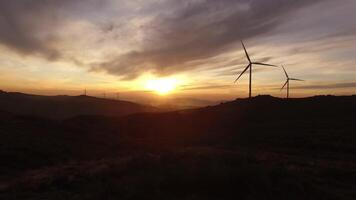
x: 140, y: 46
x: 162, y: 86
x: 177, y: 99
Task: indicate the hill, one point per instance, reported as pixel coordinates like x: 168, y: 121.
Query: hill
x: 171, y: 104
x: 62, y: 107
x: 260, y: 148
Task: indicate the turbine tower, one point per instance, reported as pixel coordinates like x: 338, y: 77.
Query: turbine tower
x: 287, y: 82
x: 249, y: 66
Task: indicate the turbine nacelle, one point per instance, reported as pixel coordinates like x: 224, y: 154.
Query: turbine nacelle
x: 251, y: 63
x: 287, y: 81
x: 288, y: 78
x: 249, y: 66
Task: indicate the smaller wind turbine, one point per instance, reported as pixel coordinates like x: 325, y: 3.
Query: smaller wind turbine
x: 249, y: 66
x: 287, y: 82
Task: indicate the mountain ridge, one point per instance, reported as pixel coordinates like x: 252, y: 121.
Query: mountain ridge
x: 63, y: 106
x: 297, y: 145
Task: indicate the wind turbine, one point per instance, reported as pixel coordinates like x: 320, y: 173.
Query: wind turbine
x: 249, y: 66
x: 287, y: 82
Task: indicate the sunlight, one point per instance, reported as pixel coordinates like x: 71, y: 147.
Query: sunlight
x: 162, y: 86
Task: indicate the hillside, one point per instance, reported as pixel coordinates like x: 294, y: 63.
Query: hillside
x: 262, y: 148
x: 63, y: 107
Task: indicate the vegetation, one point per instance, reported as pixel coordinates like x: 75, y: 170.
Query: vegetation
x: 263, y: 148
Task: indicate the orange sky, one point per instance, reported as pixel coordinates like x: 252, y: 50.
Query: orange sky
x: 119, y: 46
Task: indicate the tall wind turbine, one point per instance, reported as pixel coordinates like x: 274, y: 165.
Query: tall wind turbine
x: 287, y: 82
x: 249, y: 66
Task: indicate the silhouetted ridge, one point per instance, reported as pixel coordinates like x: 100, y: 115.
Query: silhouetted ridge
x: 238, y: 148
x: 63, y: 106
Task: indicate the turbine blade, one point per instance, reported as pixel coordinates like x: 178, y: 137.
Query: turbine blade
x: 284, y: 85
x: 248, y: 57
x: 242, y: 72
x: 259, y: 63
x: 285, y: 71
x: 295, y: 79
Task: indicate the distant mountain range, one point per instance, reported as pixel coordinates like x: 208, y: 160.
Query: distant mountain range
x: 171, y: 104
x: 62, y: 107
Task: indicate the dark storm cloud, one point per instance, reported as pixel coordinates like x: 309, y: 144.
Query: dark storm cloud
x: 198, y: 31
x: 26, y: 26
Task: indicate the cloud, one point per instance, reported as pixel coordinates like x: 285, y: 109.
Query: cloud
x: 29, y: 26
x: 199, y: 30
x: 328, y: 86
x: 131, y: 37
x: 208, y: 87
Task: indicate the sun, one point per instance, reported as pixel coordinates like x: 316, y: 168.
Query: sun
x: 162, y: 86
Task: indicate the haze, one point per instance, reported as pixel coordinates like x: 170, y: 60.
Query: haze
x: 63, y: 47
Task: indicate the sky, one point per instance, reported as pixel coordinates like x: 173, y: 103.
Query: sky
x: 108, y: 47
